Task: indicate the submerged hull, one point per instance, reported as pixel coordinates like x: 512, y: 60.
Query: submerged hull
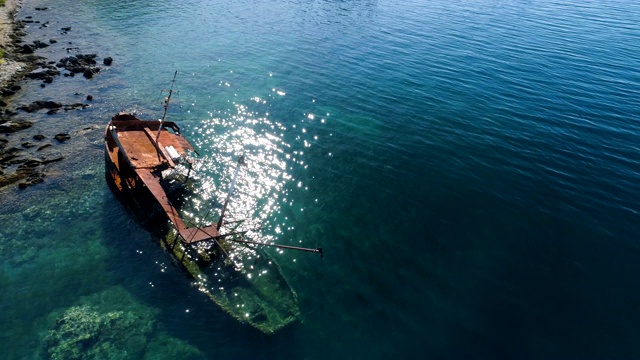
x: 261, y: 298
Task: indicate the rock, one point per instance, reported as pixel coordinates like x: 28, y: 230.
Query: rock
x: 67, y: 61
x: 49, y: 104
x: 28, y: 173
x: 50, y: 160
x: 8, y: 92
x: 28, y: 145
x: 27, y: 49
x: 80, y: 64
x: 44, y: 147
x: 42, y: 8
x: 43, y: 74
x: 89, y: 97
x: 89, y: 72
x: 29, y: 170
x: 8, y: 157
x: 31, y: 180
x: 39, y: 44
x: 107, y: 61
x: 52, y: 41
x: 39, y: 137
x: 88, y: 58
x: 62, y: 137
x: 68, y: 28
x: 13, y: 126
x: 37, y: 105
x: 107, y: 325
x: 2, y: 103
x: 76, y: 106
x: 30, y: 163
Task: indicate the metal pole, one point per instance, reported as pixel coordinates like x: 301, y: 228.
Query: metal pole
x: 166, y: 106
x: 233, y: 184
x: 316, y: 250
x: 241, y: 233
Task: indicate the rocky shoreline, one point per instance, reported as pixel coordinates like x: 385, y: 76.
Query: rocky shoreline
x: 24, y: 162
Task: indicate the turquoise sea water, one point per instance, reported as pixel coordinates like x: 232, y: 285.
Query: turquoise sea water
x: 471, y: 169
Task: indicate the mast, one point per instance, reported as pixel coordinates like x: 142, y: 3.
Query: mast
x: 166, y: 105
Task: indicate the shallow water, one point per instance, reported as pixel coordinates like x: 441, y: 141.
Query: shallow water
x: 470, y: 168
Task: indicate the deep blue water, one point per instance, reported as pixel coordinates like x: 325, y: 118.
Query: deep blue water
x: 471, y: 168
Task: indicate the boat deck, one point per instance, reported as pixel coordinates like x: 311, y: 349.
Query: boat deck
x: 140, y: 149
x: 138, y: 140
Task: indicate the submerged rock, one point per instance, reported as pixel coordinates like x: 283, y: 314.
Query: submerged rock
x: 62, y: 137
x: 89, y: 72
x: 13, y: 126
x: 37, y: 105
x: 27, y: 49
x: 42, y: 74
x: 31, y: 180
x: 29, y: 171
x: 39, y: 44
x: 53, y: 106
x: 8, y: 92
x: 84, y: 333
x: 79, y: 63
x: 107, y: 325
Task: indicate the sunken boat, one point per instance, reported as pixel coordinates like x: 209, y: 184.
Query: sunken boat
x: 148, y: 165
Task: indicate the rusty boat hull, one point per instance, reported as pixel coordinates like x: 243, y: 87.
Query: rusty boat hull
x: 139, y: 156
